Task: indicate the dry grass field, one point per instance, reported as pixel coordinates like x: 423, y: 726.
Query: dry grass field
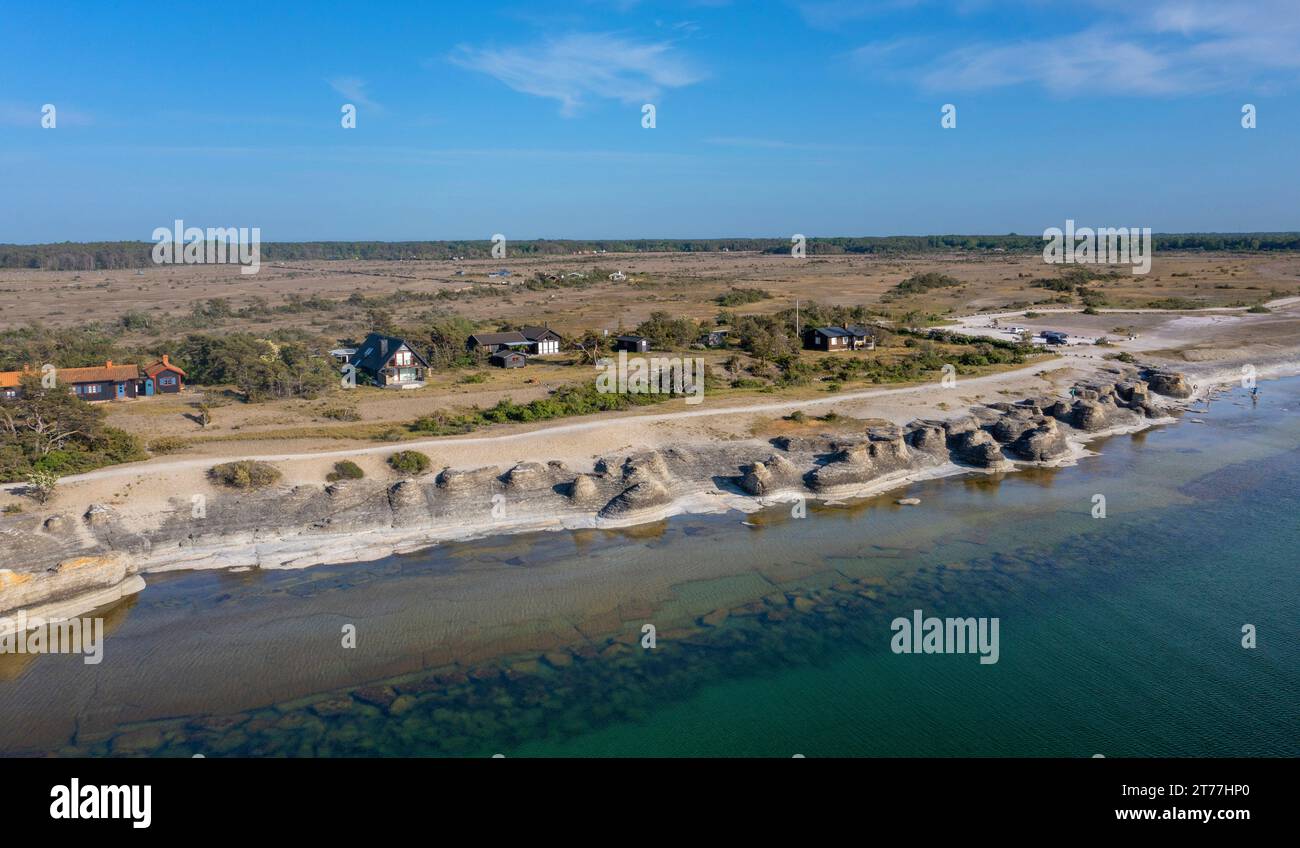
x: 684, y: 284
x: 681, y: 284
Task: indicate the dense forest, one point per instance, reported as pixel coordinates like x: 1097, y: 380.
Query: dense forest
x: 92, y: 256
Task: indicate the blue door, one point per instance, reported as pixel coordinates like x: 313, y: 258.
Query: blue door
x: 121, y: 390
x: 148, y: 387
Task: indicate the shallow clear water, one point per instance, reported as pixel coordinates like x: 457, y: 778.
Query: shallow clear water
x: 1118, y: 635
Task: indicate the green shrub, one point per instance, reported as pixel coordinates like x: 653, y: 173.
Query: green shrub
x: 345, y: 470
x: 409, y: 462
x: 167, y: 444
x: 341, y: 413
x: 741, y: 296
x: 245, y: 474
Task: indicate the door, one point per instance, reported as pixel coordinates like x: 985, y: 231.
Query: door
x: 148, y: 387
x: 121, y: 390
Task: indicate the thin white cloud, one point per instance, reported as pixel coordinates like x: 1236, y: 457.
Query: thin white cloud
x: 584, y: 66
x: 355, y: 91
x: 1175, y: 47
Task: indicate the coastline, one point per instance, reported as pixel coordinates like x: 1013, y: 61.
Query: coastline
x: 112, y: 555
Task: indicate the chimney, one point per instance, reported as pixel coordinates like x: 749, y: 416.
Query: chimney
x: 108, y: 363
x: 383, y: 347
x: 165, y: 362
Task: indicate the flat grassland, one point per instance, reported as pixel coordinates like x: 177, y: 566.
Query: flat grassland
x: 321, y: 298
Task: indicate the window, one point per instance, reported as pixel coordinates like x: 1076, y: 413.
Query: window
x: 91, y: 389
x: 403, y: 357
x: 166, y: 381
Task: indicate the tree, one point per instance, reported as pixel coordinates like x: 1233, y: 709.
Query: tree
x: 44, y: 420
x: 666, y: 331
x: 41, y: 485
x: 592, y: 345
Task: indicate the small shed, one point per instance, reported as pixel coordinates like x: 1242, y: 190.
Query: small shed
x: 632, y: 344
x: 508, y: 359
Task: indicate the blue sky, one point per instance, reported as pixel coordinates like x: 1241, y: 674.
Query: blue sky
x: 819, y: 117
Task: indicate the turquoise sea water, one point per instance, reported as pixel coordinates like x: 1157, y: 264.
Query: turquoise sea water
x: 1119, y: 635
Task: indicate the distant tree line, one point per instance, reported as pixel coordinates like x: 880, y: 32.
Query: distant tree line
x: 95, y: 256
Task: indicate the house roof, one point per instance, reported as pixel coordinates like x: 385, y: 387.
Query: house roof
x: 106, y: 373
x: 507, y: 354
x: 832, y: 332
x: 164, y: 364
x: 631, y: 338
x: 859, y: 330
x: 537, y: 334
x: 375, y: 354
x: 511, y: 337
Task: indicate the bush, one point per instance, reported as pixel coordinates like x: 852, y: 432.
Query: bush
x: 167, y: 444
x: 12, y: 509
x: 409, y: 462
x: 918, y: 283
x: 741, y: 296
x: 345, y: 470
x: 41, y: 485
x: 341, y: 413
x: 245, y: 474
x: 1258, y: 308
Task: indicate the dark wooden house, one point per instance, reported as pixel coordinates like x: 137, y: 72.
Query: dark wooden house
x: 163, y: 377
x: 542, y: 340
x: 535, y: 340
x: 390, y: 362
x: 508, y: 359
x: 632, y: 344
x: 826, y: 338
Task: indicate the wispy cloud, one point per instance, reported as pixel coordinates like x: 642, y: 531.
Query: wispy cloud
x: 1174, y: 47
x: 578, y: 67
x: 355, y: 91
